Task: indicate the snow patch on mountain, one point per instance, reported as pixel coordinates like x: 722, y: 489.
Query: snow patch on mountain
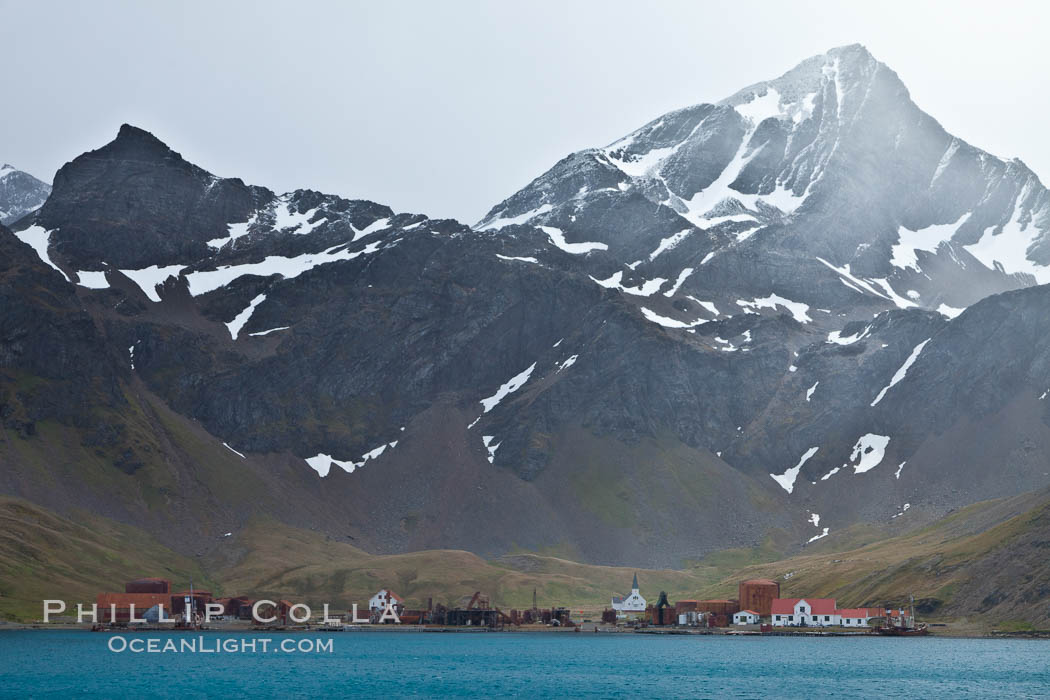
x: 902, y: 371
x: 240, y: 319
x: 797, y: 309
x: 787, y: 479
x: 322, y: 463
x: 666, y: 322
x: 708, y: 305
x: 928, y: 239
x: 269, y: 331
x: 817, y: 537
x: 557, y: 238
x: 235, y: 231
x: 868, y: 452
x: 227, y: 446
x: 639, y: 165
x: 646, y: 289
x: 498, y: 223
x: 517, y: 259
x: 508, y: 387
x: 38, y: 238
x: 285, y: 218
x: 682, y: 276
x: 854, y: 282
x: 839, y: 339
x: 1008, y: 250
x: 149, y: 278
x: 567, y: 363
x: 899, y: 301
x: 202, y: 282
x: 490, y: 446
x: 761, y: 107
x: 669, y: 243
x: 92, y: 279
x: 702, y: 202
x: 375, y: 226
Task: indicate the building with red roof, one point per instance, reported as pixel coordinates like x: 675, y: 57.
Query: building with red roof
x: 746, y: 617
x: 860, y: 617
x: 822, y: 612
x: 805, y: 612
x: 385, y: 597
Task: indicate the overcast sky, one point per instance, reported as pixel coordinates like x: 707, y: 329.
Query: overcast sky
x: 446, y: 108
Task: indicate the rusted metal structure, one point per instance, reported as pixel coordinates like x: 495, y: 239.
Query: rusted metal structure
x: 148, y: 585
x: 758, y: 594
x: 720, y: 611
x: 239, y: 607
x: 116, y: 608
x: 198, y: 600
x: 663, y: 612
x: 473, y: 611
x: 684, y: 606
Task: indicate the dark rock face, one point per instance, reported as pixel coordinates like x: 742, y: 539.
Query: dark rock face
x: 136, y: 203
x: 48, y: 343
x: 733, y: 323
x: 20, y: 194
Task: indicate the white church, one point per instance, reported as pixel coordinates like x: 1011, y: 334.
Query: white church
x: 630, y: 603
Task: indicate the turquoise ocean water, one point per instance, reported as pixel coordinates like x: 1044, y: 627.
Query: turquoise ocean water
x: 380, y: 664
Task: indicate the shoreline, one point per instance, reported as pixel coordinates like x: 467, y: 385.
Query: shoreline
x: 589, y: 632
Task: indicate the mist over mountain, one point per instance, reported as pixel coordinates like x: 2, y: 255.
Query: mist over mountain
x: 803, y: 308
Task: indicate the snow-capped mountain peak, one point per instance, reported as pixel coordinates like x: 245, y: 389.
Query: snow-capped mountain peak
x: 20, y: 194
x: 831, y: 161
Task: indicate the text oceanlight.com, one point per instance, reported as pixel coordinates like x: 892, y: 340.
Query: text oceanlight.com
x: 228, y: 645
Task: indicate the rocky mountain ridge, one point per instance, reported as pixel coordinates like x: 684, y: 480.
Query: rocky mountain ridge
x: 743, y: 324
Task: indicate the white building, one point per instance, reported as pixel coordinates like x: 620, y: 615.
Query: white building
x: 805, y: 612
x: 630, y: 603
x: 821, y: 612
x: 746, y: 617
x: 861, y: 617
x: 379, y: 601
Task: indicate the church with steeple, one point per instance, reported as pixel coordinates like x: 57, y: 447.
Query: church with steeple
x: 630, y: 603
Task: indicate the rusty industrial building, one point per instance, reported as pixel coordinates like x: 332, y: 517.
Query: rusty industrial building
x: 758, y: 595
x: 144, y: 594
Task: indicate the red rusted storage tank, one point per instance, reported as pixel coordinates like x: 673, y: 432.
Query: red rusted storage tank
x: 148, y: 585
x: 758, y: 594
x: 718, y: 607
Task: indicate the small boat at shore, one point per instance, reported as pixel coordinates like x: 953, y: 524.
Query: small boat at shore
x: 903, y: 625
x: 918, y: 630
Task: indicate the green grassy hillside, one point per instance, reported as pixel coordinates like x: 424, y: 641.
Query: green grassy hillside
x: 43, y: 555
x: 986, y: 563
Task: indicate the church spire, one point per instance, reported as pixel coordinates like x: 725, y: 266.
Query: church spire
x: 634, y: 586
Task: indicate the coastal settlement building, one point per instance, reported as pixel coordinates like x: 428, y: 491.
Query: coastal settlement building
x: 143, y: 599
x: 822, y: 612
x: 805, y: 612
x: 860, y: 617
x: 379, y: 601
x: 746, y: 617
x: 758, y: 594
x: 634, y: 602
